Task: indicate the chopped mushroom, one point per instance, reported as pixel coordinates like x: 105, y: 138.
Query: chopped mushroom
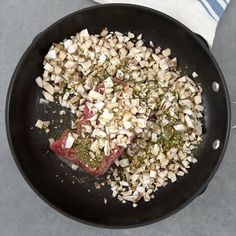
x: 125, y: 94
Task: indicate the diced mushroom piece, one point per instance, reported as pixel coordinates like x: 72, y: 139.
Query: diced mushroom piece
x: 75, y: 99
x: 98, y: 133
x: 46, y: 124
x: 180, y: 127
x: 69, y: 141
x: 172, y: 176
x: 166, y: 52
x: 58, y: 79
x: 39, y: 81
x: 80, y: 89
x: 48, y: 96
x: 124, y: 162
x: 198, y: 129
x: 95, y: 146
x: 74, y: 167
x: 48, y: 87
x: 108, y: 83
x: 43, y: 101
x: 102, y: 59
x: 155, y: 149
x: 66, y: 96
x: 164, y: 64
x: 131, y: 35
x: 99, y: 105
x: 51, y: 141
x: 186, y: 102
x: 127, y: 125
x: 189, y: 122
x: 153, y: 174
x: 141, y: 123
x: 151, y: 44
x: 198, y: 99
x: 39, y: 124
x: 154, y: 137
x: 106, y: 116
x: 107, y: 149
x: 195, y: 74
x: 51, y: 54
x: 199, y: 108
x: 68, y: 43
x: 86, y: 65
x: 70, y: 64
x: 140, y: 189
x: 62, y: 55
x: 95, y: 95
x: 48, y: 67
x: 72, y: 48
x: 188, y: 111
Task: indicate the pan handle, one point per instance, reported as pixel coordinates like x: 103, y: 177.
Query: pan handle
x: 233, y: 119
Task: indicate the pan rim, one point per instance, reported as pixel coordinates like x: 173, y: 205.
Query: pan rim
x: 10, y: 140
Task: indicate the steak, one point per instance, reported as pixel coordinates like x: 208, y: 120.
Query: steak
x: 71, y: 155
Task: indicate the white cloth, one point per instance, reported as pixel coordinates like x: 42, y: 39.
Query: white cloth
x: 201, y: 16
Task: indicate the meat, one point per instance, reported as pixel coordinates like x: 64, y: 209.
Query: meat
x: 70, y: 154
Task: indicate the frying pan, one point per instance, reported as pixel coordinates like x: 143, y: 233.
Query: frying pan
x: 72, y: 192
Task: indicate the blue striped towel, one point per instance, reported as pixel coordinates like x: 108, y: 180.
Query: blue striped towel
x: 201, y: 16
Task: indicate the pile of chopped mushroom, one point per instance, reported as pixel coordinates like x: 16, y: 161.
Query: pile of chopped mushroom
x: 138, y: 100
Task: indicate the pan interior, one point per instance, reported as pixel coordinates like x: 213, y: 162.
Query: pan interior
x: 67, y: 190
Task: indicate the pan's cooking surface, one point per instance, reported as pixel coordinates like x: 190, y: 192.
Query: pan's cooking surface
x: 67, y: 190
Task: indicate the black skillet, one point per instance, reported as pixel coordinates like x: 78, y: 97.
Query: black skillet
x: 66, y: 190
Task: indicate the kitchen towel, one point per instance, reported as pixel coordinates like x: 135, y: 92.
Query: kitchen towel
x: 201, y: 16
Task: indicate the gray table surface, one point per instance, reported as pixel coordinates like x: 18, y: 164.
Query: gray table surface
x: 21, y: 210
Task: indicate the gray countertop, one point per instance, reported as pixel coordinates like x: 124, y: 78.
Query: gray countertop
x: 21, y: 210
